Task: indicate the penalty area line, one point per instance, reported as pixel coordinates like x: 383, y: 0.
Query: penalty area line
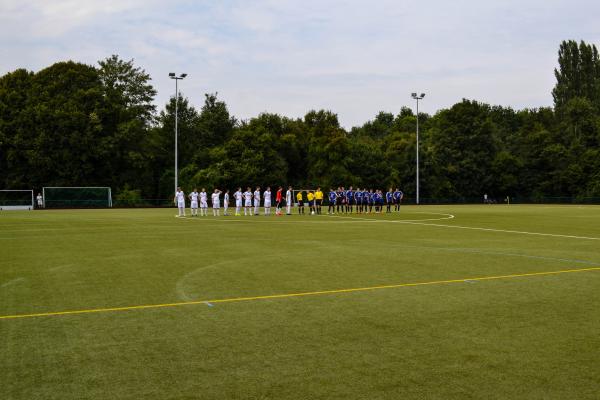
x: 291, y: 295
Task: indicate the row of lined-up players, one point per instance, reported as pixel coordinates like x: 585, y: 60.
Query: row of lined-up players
x: 340, y: 200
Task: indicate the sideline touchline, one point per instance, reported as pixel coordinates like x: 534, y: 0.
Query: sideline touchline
x: 288, y: 295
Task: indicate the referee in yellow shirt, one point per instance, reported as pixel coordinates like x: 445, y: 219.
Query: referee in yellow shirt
x: 300, y: 202
x: 319, y: 199
x: 311, y: 201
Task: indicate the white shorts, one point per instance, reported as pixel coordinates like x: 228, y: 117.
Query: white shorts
x: 256, y: 203
x: 248, y: 203
x: 238, y: 203
x: 267, y: 204
x: 225, y: 204
x: 203, y: 204
x: 217, y: 205
x: 181, y: 204
x: 194, y: 204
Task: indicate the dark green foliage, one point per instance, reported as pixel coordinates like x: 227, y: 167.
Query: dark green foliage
x: 75, y: 124
x: 578, y: 74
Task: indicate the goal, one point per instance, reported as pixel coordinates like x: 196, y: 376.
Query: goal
x: 77, y: 197
x: 16, y: 199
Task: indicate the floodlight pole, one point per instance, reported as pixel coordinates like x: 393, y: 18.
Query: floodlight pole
x: 417, y: 98
x: 177, y: 79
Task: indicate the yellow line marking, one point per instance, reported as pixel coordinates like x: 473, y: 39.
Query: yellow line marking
x: 288, y: 295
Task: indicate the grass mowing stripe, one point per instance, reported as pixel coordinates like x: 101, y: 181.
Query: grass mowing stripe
x: 288, y: 295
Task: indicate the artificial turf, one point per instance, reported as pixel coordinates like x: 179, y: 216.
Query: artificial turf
x: 526, y: 337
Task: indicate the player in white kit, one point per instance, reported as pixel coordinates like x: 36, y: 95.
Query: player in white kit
x: 267, y: 197
x: 203, y: 203
x: 288, y: 201
x: 248, y: 201
x: 238, y: 201
x: 180, y: 200
x: 226, y: 202
x: 194, y: 202
x: 257, y: 200
x: 216, y: 202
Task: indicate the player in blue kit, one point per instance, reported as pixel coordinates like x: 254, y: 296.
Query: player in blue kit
x: 380, y: 200
x: 338, y: 199
x: 332, y: 201
x: 398, y: 195
x: 375, y: 200
x: 349, y: 199
x: 358, y: 200
x: 367, y: 200
x: 389, y: 199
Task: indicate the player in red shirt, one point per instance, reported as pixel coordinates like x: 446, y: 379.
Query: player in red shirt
x: 278, y: 200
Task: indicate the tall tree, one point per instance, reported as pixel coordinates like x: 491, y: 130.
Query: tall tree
x: 578, y: 74
x: 127, y: 116
x: 17, y: 133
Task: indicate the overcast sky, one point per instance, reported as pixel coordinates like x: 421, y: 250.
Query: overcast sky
x: 355, y: 58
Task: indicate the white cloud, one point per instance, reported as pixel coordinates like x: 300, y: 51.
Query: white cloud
x: 354, y: 57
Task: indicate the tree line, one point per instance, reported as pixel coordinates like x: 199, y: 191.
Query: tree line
x: 73, y: 124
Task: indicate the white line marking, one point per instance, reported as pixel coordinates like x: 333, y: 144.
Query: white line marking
x: 348, y: 219
x: 478, y: 229
x: 11, y: 282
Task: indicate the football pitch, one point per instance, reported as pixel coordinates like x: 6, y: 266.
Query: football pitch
x: 436, y: 302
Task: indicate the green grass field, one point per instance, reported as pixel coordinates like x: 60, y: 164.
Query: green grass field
x: 519, y: 335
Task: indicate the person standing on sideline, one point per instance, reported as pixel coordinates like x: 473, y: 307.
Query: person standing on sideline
x: 180, y: 201
x: 288, y: 201
x: 318, y: 200
x: 257, y: 200
x: 216, y: 203
x: 40, y: 201
x: 226, y: 203
x: 278, y: 200
x: 238, y: 201
x: 194, y: 202
x: 267, y: 198
x: 300, y: 202
x: 248, y: 201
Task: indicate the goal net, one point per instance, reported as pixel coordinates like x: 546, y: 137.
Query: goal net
x: 77, y: 197
x: 16, y: 199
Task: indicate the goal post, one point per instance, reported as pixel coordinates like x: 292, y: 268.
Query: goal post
x: 16, y: 200
x: 77, y: 197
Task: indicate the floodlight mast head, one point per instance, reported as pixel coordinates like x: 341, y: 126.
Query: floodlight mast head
x: 173, y: 75
x: 414, y: 95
